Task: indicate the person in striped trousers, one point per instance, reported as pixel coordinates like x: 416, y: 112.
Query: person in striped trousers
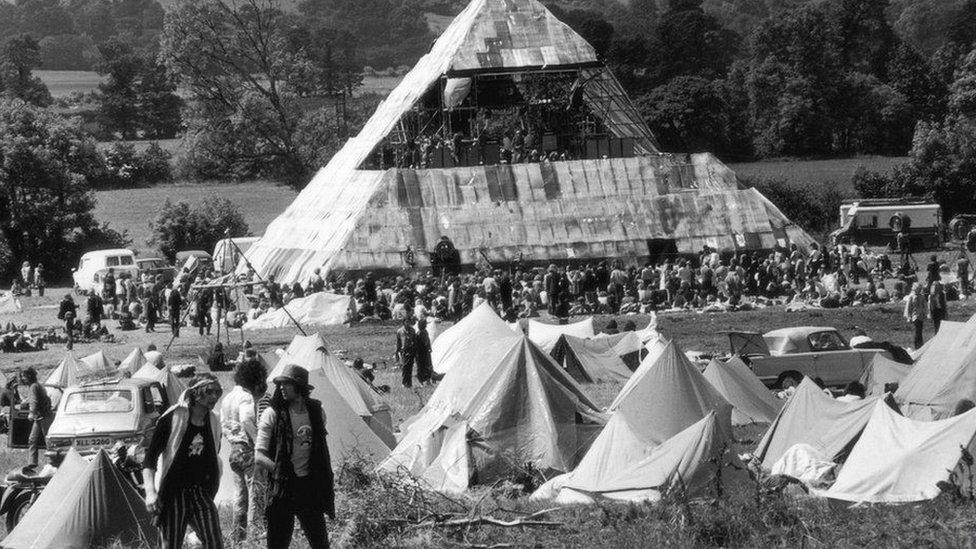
x: 181, y: 472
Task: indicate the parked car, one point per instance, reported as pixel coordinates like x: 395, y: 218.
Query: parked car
x: 156, y: 266
x: 100, y: 414
x: 93, y: 266
x: 791, y: 353
x: 194, y: 260
x: 227, y: 252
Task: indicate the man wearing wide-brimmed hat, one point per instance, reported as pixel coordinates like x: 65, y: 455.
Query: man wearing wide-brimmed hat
x: 291, y: 444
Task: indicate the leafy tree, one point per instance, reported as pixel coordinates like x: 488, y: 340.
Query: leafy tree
x: 46, y: 215
x: 691, y: 42
x: 139, y: 96
x: 19, y: 56
x: 687, y: 114
x: 180, y: 227
x: 327, y: 61
x: 67, y: 52
x: 236, y: 62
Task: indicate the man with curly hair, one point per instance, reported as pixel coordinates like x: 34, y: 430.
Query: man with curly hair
x: 238, y: 421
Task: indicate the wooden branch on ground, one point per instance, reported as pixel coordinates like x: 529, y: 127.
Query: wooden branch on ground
x: 495, y: 522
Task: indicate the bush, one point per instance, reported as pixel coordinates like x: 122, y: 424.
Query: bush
x: 180, y: 227
x: 126, y: 168
x: 814, y: 208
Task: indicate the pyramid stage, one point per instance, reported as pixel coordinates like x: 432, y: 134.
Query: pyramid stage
x: 511, y: 138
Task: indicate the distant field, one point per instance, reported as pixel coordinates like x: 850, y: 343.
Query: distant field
x: 260, y: 202
x: 62, y: 83
x: 807, y: 172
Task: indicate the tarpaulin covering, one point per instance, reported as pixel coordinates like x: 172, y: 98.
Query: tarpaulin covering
x: 898, y: 459
x: 665, y: 396
x: 509, y: 403
x: 814, y: 418
x: 546, y: 335
x: 86, y: 504
x: 603, y: 208
x: 590, y: 360
x: 944, y: 375
x: 751, y: 401
x: 310, y: 353
x: 318, y: 309
x: 481, y: 325
x: 10, y: 304
x: 882, y: 371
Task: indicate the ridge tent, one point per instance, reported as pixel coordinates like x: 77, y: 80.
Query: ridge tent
x: 627, y: 345
x: 86, y: 504
x: 751, y: 401
x: 813, y: 418
x: 134, y: 361
x: 546, y: 335
x: 589, y: 360
x: 882, y: 371
x: 507, y: 404
x: 687, y: 461
x: 900, y: 460
x: 174, y: 386
x: 667, y: 394
x: 942, y: 376
x: 99, y: 364
x: 311, y: 353
x: 480, y: 326
x: 72, y: 371
x: 948, y: 328
x: 318, y: 309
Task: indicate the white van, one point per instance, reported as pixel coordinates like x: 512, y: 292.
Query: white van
x: 94, y: 265
x: 227, y: 252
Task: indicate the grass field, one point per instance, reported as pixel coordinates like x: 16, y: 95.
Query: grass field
x: 814, y: 172
x: 131, y: 209
x: 727, y: 523
x: 63, y: 83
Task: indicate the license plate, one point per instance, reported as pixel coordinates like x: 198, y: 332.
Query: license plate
x: 93, y: 441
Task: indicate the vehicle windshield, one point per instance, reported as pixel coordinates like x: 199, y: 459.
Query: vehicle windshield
x: 87, y: 402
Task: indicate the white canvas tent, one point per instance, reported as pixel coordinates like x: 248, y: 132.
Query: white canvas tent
x: 72, y: 371
x: 667, y: 396
x: 751, y: 401
x: 86, y: 504
x: 882, y: 371
x: 318, y: 309
x: 943, y: 375
x: 311, y: 353
x: 174, y: 385
x: 900, y: 460
x: 811, y: 417
x: 686, y: 461
x: 590, y: 360
x: 134, y: 361
x: 505, y: 405
x: 479, y: 326
x: 546, y: 335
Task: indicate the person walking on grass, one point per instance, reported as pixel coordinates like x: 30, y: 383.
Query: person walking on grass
x: 38, y: 406
x: 916, y: 310
x: 406, y: 351
x: 175, y: 303
x: 67, y: 310
x: 292, y: 446
x: 425, y: 367
x: 938, y: 309
x: 181, y: 471
x: 239, y: 425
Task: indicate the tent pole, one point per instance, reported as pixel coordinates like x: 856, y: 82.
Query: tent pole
x: 262, y: 280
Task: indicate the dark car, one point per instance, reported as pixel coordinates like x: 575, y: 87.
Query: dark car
x: 156, y: 266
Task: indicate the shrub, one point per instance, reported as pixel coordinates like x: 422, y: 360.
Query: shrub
x: 812, y: 207
x: 180, y: 227
x: 126, y: 168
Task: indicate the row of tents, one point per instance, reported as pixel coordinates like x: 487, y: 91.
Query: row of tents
x: 505, y: 403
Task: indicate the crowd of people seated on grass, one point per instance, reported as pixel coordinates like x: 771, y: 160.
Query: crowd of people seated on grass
x: 826, y: 277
